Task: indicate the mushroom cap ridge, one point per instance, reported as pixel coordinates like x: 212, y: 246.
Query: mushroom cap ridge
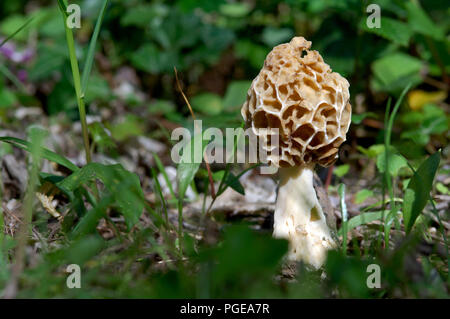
x: 297, y: 93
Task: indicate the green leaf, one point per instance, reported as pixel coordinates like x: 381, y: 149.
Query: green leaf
x: 186, y: 171
x: 254, y: 53
x: 420, y: 22
x: 47, y: 154
x: 362, y: 219
x: 100, y: 137
x: 235, y: 10
x: 151, y: 59
x: 50, y: 57
x: 394, y: 70
x: 232, y: 181
x: 441, y: 188
x: 161, y: 107
x: 188, y: 166
x: 143, y: 15
x: 393, y: 30
x: 7, y: 98
x: 341, y: 170
x: 358, y: 118
x: 98, y: 89
x: 362, y: 195
x: 418, y: 190
x: 274, y: 36
x: 396, y: 162
x: 130, y: 126
x: 207, y: 103
x: 236, y: 94
x: 119, y: 183
x: 373, y: 151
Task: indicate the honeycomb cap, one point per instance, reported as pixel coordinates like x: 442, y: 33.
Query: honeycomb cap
x: 297, y: 93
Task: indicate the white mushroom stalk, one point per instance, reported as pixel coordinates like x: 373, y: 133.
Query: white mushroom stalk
x: 300, y: 218
x: 297, y: 93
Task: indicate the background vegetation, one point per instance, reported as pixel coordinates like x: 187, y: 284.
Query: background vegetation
x: 92, y: 196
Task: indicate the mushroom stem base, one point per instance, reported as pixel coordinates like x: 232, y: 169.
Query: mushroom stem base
x: 299, y: 217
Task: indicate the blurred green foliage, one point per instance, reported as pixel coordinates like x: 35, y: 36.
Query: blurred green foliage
x: 218, y: 47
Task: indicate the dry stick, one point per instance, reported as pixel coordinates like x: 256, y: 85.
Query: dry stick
x: 437, y: 84
x: 211, y: 181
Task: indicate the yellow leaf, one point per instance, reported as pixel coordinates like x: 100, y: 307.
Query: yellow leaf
x: 419, y: 98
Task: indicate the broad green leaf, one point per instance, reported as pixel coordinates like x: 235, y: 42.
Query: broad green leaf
x: 47, y: 154
x: 362, y: 219
x: 151, y: 59
x: 236, y: 94
x: 393, y: 30
x: 418, y: 190
x: 253, y: 52
x: 396, y: 162
x: 235, y: 10
x: 123, y: 185
x: 50, y: 57
x: 362, y: 195
x: 274, y: 36
x: 189, y: 164
x: 161, y: 107
x: 358, y: 118
x: 373, y: 151
x: 420, y: 22
x: 393, y: 69
x: 130, y: 126
x: 441, y: 188
x: 142, y: 15
x: 98, y: 89
x: 207, y: 103
x: 341, y: 170
x: 83, y: 249
x: 7, y: 98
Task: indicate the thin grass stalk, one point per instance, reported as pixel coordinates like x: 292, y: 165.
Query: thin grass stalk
x: 76, y: 81
x: 11, y: 290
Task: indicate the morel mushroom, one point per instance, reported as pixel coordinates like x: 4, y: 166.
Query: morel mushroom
x: 297, y: 93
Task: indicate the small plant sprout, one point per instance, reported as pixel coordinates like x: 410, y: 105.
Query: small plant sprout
x: 297, y: 93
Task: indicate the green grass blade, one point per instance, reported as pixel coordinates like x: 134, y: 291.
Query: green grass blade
x: 164, y: 173
x: 341, y: 190
x: 23, y: 26
x: 387, y: 144
x: 161, y: 196
x: 76, y: 80
x: 46, y: 153
x: 8, y: 74
x: 91, y: 51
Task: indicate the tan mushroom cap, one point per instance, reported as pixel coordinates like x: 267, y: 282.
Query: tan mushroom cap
x: 297, y: 92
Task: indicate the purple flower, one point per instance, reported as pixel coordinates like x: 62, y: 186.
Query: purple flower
x: 11, y: 53
x: 22, y: 75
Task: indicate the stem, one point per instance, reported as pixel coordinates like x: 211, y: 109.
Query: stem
x: 77, y: 84
x: 300, y: 218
